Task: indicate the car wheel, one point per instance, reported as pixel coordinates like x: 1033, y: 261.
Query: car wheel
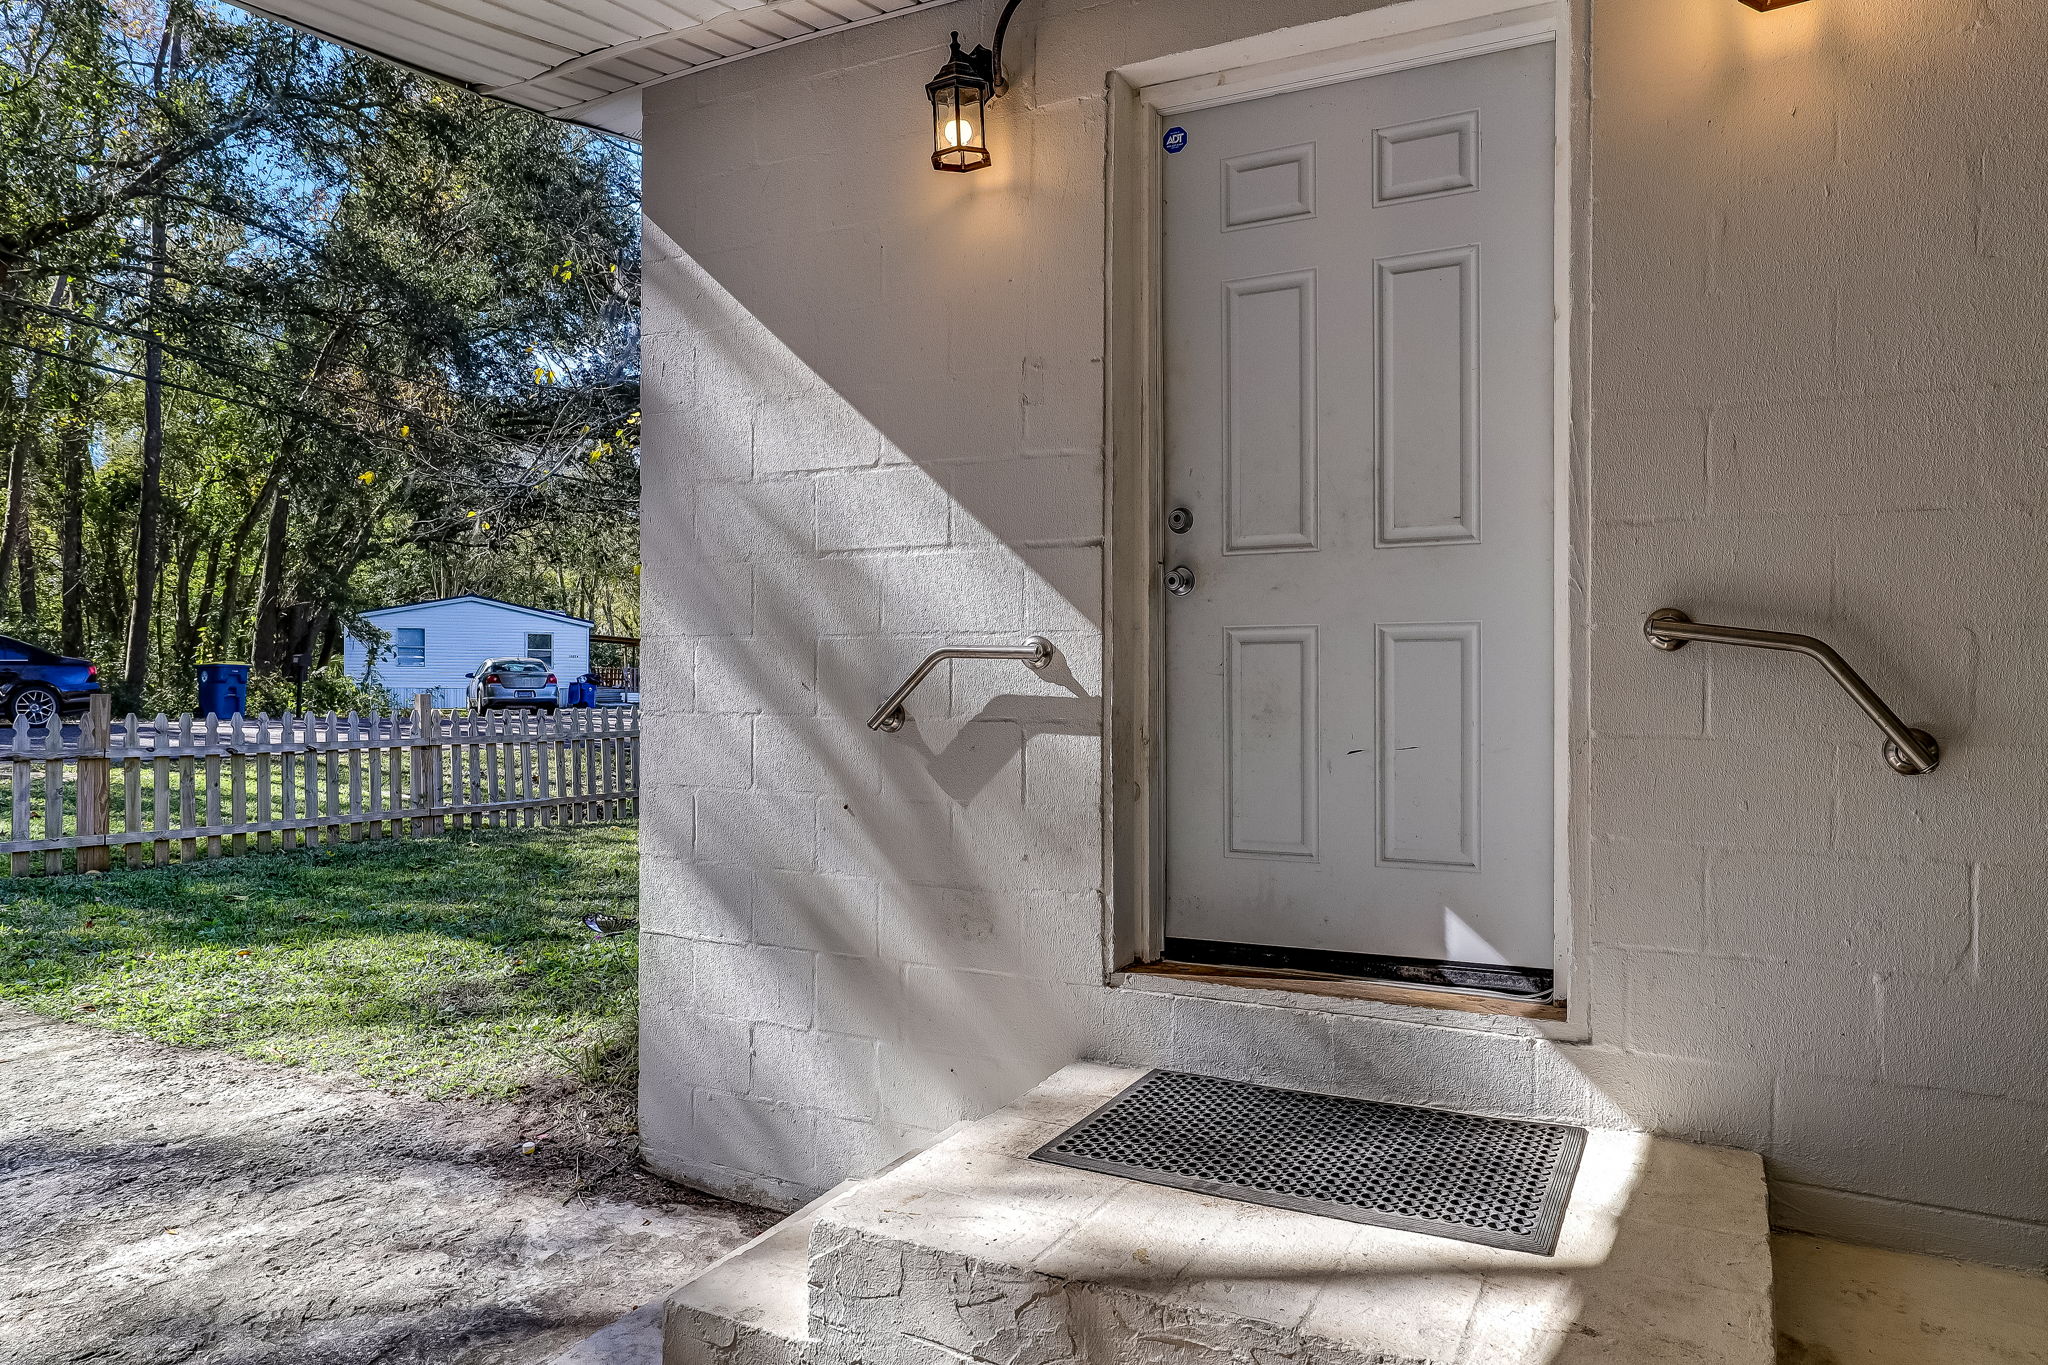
x: 35, y: 706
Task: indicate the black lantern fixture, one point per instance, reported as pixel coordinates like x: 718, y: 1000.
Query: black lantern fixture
x: 960, y: 96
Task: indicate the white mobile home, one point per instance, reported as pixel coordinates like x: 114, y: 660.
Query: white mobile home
x: 433, y: 646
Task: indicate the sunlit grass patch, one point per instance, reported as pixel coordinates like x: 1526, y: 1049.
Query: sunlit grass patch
x: 454, y: 966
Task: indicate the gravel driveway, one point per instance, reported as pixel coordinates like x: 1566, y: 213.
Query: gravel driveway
x: 161, y: 1206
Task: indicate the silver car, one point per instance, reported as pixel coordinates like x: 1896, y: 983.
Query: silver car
x: 512, y: 682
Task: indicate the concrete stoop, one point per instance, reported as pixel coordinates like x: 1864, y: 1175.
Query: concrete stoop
x: 969, y: 1252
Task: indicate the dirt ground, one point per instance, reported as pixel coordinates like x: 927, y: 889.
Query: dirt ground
x: 161, y: 1206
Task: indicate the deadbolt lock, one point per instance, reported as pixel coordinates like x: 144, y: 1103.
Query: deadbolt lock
x: 1179, y: 520
x: 1180, y: 580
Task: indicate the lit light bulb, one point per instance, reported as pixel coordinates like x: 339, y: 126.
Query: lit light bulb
x: 957, y: 131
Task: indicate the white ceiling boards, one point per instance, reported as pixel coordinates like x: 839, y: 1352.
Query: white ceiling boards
x: 581, y: 60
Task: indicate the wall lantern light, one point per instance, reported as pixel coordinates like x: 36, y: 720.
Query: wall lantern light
x: 1769, y: 4
x: 960, y: 96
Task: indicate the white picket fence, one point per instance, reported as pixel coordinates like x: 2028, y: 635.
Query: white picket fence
x: 209, y: 788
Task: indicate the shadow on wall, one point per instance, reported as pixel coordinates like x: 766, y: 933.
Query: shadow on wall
x: 869, y: 437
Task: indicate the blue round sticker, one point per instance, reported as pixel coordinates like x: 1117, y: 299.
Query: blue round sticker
x: 1175, y: 140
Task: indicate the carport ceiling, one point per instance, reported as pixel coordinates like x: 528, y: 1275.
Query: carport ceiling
x: 581, y: 60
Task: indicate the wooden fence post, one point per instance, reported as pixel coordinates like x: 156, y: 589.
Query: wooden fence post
x: 426, y: 763
x: 93, y: 791
x: 22, y: 783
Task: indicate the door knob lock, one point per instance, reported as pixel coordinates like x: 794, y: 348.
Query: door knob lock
x: 1179, y: 520
x: 1180, y: 580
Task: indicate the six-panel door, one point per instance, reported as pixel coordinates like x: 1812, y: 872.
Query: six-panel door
x: 1358, y: 314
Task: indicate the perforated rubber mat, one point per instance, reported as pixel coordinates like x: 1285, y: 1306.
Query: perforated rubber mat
x: 1497, y: 1182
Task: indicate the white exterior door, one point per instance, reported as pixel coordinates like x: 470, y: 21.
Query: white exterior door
x: 1358, y: 321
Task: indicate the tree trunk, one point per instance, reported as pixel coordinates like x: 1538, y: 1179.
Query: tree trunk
x: 267, y: 647
x: 73, y: 450
x: 113, y: 602
x: 230, y: 600
x: 196, y: 623
x: 159, y: 620
x: 294, y: 636
x: 270, y: 587
x: 135, y: 666
x: 325, y: 632
x: 25, y: 565
x: 184, y: 639
x: 224, y: 632
x: 74, y: 462
x: 20, y: 459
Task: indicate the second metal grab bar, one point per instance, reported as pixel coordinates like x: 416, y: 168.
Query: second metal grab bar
x: 1909, y: 751
x: 1036, y: 653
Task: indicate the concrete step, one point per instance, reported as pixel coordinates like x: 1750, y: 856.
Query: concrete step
x: 969, y: 1252
x: 749, y: 1308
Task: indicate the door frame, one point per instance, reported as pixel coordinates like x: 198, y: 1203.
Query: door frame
x: 1141, y: 97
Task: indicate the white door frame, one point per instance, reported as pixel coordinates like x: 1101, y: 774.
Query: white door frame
x: 1141, y: 97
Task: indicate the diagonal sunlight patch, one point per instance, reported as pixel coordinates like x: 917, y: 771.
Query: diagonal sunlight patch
x: 816, y: 526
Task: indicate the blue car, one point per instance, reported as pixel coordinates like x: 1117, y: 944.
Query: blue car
x: 38, y: 688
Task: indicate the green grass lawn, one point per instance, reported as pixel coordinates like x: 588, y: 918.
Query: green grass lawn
x: 454, y: 966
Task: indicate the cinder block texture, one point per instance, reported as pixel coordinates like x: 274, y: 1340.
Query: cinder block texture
x: 1811, y: 395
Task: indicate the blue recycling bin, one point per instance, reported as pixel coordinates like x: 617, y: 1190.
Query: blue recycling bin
x: 223, y: 689
x: 581, y: 693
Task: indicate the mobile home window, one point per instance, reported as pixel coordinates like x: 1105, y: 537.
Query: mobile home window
x: 409, y: 646
x: 541, y: 647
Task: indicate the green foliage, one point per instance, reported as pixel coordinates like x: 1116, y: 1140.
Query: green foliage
x: 328, y: 689
x: 432, y: 966
x: 403, y: 314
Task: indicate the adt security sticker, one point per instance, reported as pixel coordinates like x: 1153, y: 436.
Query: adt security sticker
x: 1175, y: 140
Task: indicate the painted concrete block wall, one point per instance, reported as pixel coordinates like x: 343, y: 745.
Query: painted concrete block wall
x: 1816, y: 376
x: 1814, y: 397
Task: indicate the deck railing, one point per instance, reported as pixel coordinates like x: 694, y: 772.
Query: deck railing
x: 189, y: 788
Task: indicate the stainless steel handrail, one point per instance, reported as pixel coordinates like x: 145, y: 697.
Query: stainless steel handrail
x: 1036, y: 653
x: 1909, y: 751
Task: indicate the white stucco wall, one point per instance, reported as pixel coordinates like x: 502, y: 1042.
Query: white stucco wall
x: 1814, y: 386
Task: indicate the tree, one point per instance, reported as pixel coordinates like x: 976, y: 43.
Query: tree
x: 294, y: 333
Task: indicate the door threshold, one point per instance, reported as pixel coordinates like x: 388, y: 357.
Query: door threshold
x: 1349, y: 988
x: 1428, y: 973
